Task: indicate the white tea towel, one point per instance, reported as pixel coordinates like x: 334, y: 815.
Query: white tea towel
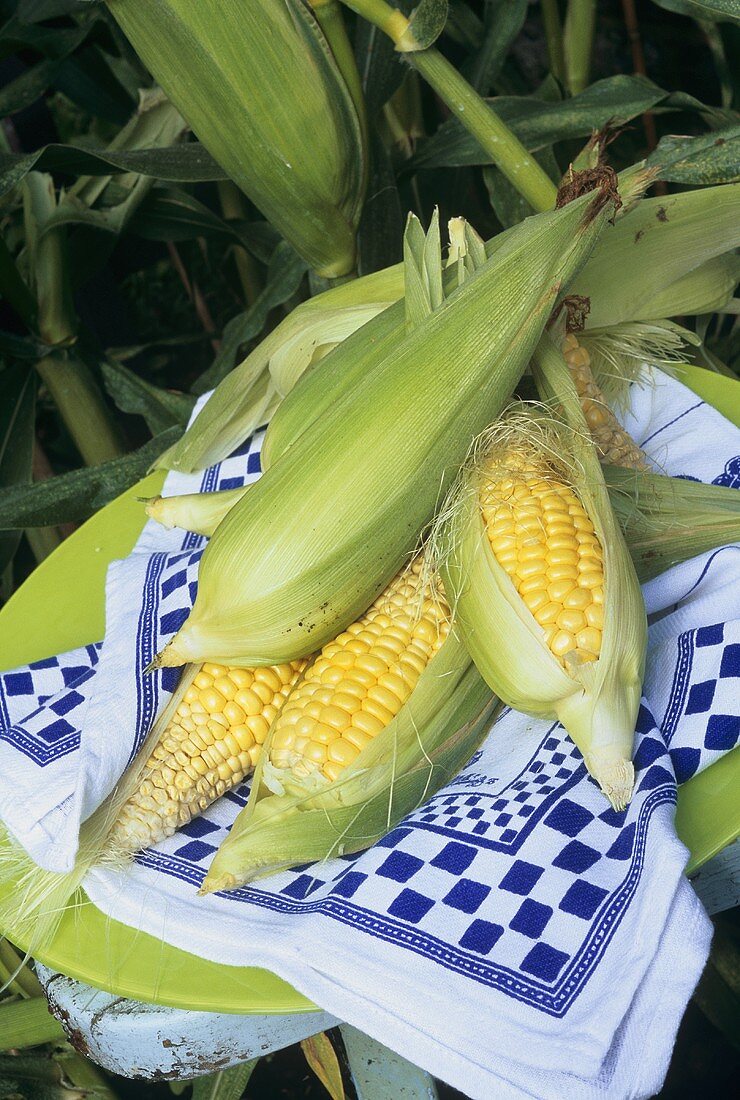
x: 514, y: 935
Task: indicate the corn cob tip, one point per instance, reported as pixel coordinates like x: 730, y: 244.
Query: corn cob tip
x: 169, y: 657
x: 616, y: 778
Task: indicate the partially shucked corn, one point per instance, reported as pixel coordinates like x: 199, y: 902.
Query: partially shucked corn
x: 544, y: 591
x: 211, y: 743
x: 384, y: 716
x: 614, y: 444
x: 357, y: 685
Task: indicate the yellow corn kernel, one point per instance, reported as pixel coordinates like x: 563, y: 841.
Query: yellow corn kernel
x: 211, y: 743
x: 555, y: 572
x: 375, y: 665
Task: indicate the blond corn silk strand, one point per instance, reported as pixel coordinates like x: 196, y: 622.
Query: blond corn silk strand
x: 614, y: 444
x: 541, y: 535
x: 360, y: 681
x: 211, y: 744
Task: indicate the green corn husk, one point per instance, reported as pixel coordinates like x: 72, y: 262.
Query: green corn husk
x: 431, y: 738
x: 653, y: 250
x: 595, y: 701
x: 665, y: 520
x: 259, y: 86
x: 240, y: 403
x: 326, y: 528
x: 682, y: 271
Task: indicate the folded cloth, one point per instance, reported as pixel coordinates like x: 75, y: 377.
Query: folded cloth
x: 514, y: 935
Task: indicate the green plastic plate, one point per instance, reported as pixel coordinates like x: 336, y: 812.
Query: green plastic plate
x: 61, y: 606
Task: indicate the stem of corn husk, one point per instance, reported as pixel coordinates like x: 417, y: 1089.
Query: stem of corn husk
x: 506, y: 151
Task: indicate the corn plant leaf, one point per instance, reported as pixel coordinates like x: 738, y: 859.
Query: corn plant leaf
x: 422, y: 270
x: 322, y: 1059
x: 538, y: 122
x: 17, y: 418
x: 707, y: 159
x: 380, y: 66
x: 89, y: 80
x: 75, y: 496
x: 716, y: 11
x: 509, y: 205
x: 381, y: 225
x: 24, y: 1024
x: 26, y: 88
x: 160, y: 408
x: 427, y: 22
x: 228, y: 1084
x: 379, y: 1073
x: 504, y: 20
x: 180, y: 163
x: 284, y: 275
x: 33, y: 11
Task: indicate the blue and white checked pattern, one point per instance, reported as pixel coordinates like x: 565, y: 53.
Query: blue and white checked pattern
x: 514, y: 894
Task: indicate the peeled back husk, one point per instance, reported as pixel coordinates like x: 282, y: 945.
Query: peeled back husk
x: 596, y: 700
x: 324, y: 530
x: 431, y: 738
x: 259, y: 86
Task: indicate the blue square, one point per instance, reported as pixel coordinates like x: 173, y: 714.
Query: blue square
x: 454, y: 858
x: 467, y: 895
x: 475, y: 814
x: 531, y: 918
x: 649, y: 750
x: 253, y: 463
x: 544, y: 962
x: 503, y: 819
x: 481, y: 936
x: 558, y: 757
x: 521, y: 877
x: 170, y: 678
x: 452, y: 822
x: 174, y: 581
x: 525, y: 811
x: 582, y: 899
x: 473, y: 800
x: 508, y: 835
x: 67, y: 702
x: 710, y: 635
x: 523, y: 796
x: 73, y: 673
x: 730, y: 665
x: 623, y: 845
x: 349, y: 884
x: 56, y: 730
x: 302, y: 887
x: 197, y: 827
x: 195, y: 851
x: 551, y: 743
x: 173, y: 620
x: 192, y: 591
x: 568, y: 817
x: 393, y: 838
x: 576, y: 857
x: 481, y: 828
x: 400, y: 866
x: 410, y: 906
x: 700, y: 697
x: 615, y: 818
x: 45, y: 662
x: 18, y: 683
x: 500, y: 804
x: 685, y: 763
x: 231, y: 483
x: 723, y: 731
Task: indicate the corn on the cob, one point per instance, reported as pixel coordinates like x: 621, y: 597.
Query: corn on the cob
x: 541, y: 535
x: 212, y: 742
x: 614, y: 444
x: 302, y: 554
x: 544, y: 592
x: 384, y: 716
x: 357, y: 685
